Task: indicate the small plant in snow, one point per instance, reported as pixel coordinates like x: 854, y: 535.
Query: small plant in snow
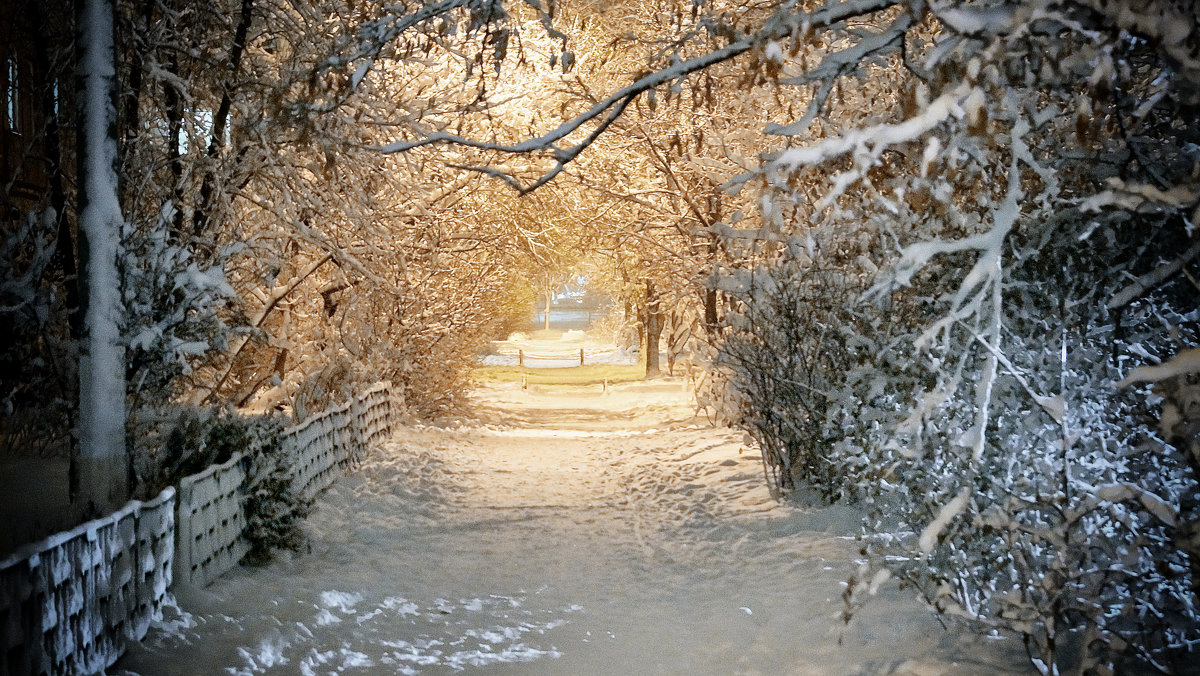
x: 274, y: 507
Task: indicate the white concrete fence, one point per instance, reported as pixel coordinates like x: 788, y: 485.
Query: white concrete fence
x: 69, y: 603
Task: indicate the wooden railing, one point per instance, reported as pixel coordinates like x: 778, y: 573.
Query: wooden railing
x: 569, y: 355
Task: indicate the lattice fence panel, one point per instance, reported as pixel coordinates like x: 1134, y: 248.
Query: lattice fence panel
x: 68, y: 604
x: 211, y: 522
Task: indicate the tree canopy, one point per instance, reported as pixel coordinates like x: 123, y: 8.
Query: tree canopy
x: 935, y: 256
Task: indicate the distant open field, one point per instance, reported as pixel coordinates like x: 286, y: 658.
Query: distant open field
x: 575, y: 375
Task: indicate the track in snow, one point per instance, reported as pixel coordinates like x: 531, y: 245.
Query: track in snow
x: 562, y: 533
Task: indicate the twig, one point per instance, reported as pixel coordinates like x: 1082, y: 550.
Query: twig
x: 1153, y: 278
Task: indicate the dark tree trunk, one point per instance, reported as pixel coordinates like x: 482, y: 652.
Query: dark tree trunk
x: 51, y: 87
x: 204, y: 207
x: 131, y: 95
x: 712, y: 318
x: 64, y: 248
x: 174, y: 104
x: 710, y: 312
x: 654, y: 326
x: 671, y: 328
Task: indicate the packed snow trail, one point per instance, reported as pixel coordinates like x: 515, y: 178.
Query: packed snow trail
x: 560, y: 533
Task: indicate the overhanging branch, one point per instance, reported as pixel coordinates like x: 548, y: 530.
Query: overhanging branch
x: 608, y: 110
x: 272, y: 302
x: 1153, y: 278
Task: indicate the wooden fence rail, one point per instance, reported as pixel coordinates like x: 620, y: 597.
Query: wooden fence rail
x: 555, y: 356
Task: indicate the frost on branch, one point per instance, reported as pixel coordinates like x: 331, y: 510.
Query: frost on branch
x: 929, y: 536
x: 1016, y: 183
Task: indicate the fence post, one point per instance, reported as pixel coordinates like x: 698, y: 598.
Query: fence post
x: 581, y: 356
x: 358, y: 429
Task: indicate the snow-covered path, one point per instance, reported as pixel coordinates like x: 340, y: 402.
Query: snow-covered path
x: 560, y: 533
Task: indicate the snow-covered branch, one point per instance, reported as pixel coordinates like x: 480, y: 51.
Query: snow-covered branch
x: 1184, y: 363
x: 604, y: 110
x: 605, y: 113
x: 1154, y: 278
x: 272, y: 301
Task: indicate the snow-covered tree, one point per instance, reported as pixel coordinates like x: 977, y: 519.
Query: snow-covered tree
x: 1041, y: 161
x: 103, y: 461
x: 261, y: 235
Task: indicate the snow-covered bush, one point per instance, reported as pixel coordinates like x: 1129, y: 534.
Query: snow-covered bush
x: 177, y: 311
x: 186, y: 440
x: 275, y: 508
x: 431, y: 368
x: 176, y: 447
x: 201, y: 437
x: 789, y: 357
x: 1033, y: 184
x: 1044, y: 503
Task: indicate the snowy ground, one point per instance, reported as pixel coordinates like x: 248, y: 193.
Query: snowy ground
x: 557, y: 351
x: 560, y: 532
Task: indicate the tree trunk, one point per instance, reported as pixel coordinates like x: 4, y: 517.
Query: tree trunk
x: 710, y: 312
x: 64, y: 248
x: 130, y: 96
x: 672, y: 342
x: 712, y: 318
x: 654, y: 326
x: 204, y: 205
x: 549, y: 300
x: 65, y: 254
x: 102, y: 463
x: 174, y: 104
x: 628, y: 318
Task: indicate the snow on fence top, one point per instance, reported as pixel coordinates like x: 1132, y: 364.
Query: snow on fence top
x: 210, y: 537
